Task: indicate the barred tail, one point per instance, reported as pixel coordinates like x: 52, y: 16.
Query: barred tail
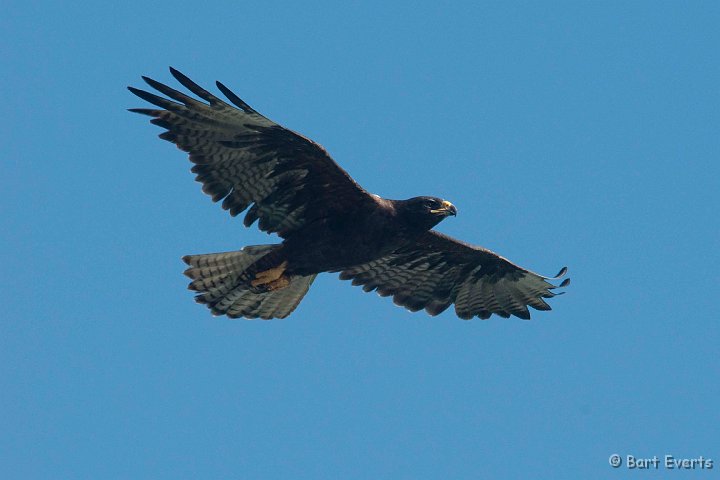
x: 219, y: 279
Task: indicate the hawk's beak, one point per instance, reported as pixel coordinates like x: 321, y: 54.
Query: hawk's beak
x: 446, y: 209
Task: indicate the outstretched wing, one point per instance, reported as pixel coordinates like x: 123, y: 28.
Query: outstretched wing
x: 437, y: 271
x: 247, y: 160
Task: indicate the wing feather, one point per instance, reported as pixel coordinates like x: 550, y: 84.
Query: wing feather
x: 436, y: 271
x: 249, y: 162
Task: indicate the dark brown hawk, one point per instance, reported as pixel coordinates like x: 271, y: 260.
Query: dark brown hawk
x: 328, y: 223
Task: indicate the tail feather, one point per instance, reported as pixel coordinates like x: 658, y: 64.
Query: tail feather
x: 221, y: 282
x: 242, y: 302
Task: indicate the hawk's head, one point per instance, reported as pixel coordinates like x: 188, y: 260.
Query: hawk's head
x: 425, y: 212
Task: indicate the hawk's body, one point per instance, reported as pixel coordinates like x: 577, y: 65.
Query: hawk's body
x: 357, y: 236
x: 291, y: 186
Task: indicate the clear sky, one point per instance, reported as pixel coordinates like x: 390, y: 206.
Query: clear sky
x: 566, y: 133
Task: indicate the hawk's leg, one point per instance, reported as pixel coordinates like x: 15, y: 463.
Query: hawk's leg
x: 281, y: 282
x: 272, y: 278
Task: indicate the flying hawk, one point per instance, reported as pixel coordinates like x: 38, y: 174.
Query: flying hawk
x: 291, y: 186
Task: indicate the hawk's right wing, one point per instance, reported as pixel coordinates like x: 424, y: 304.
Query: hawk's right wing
x: 247, y: 160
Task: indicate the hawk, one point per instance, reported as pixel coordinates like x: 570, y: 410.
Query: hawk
x: 327, y: 222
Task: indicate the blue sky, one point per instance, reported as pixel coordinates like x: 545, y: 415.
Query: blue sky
x: 566, y: 133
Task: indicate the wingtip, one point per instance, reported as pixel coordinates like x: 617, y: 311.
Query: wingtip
x: 148, y: 97
x: 237, y: 101
x: 151, y: 112
x: 563, y: 271
x: 179, y: 76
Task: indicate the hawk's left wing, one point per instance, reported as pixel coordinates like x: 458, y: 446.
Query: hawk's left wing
x: 437, y: 271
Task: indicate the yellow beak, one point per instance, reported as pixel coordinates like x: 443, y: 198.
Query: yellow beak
x: 446, y: 209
